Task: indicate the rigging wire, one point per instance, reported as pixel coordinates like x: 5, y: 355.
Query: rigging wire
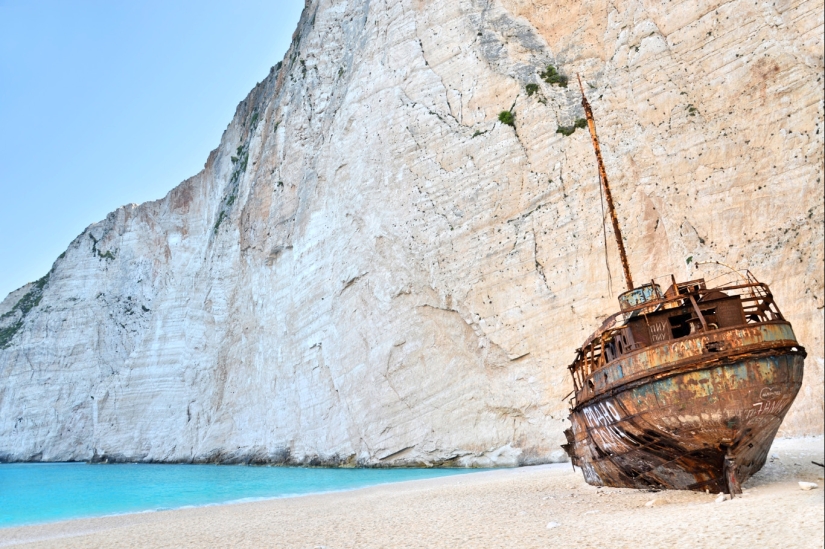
x: 604, y: 234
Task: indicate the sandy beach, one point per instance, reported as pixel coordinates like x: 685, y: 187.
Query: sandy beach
x: 543, y: 506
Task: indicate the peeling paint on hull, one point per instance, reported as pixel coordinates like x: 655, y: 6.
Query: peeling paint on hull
x: 689, y: 429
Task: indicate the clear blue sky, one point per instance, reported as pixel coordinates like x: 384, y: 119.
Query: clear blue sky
x: 103, y: 103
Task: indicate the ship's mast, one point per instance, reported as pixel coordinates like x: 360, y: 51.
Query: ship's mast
x: 617, y: 232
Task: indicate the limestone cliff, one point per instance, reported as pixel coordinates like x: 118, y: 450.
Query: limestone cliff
x: 371, y: 268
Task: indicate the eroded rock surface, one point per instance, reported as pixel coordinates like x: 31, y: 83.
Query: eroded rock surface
x: 371, y: 268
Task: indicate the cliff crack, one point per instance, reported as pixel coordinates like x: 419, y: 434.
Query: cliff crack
x: 352, y: 281
x: 539, y: 266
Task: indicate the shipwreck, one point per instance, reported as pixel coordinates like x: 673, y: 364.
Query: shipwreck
x: 684, y: 387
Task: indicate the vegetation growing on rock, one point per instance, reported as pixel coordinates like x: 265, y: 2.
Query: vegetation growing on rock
x: 568, y: 130
x: 552, y: 76
x: 28, y: 302
x: 506, y: 117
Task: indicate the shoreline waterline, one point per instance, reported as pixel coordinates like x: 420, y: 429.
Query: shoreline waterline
x: 531, y: 507
x: 43, y: 493
x: 67, y: 529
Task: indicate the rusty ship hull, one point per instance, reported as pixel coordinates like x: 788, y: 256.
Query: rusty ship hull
x: 696, y: 411
x: 689, y: 427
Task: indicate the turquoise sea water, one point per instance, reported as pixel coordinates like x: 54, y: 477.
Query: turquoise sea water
x: 45, y: 492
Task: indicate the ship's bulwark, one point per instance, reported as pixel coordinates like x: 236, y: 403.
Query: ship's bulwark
x: 676, y: 432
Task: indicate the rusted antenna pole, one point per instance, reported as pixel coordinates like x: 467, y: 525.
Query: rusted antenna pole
x: 591, y: 123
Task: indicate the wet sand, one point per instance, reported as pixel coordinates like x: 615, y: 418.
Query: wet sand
x: 544, y: 506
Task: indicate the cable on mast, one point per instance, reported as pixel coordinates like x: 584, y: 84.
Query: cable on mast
x: 617, y: 232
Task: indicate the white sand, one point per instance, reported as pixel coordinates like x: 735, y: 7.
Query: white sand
x: 504, y: 508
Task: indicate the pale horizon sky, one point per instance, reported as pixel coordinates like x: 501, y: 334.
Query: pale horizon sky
x: 107, y: 103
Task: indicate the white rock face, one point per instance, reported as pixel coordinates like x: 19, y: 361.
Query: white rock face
x: 372, y: 269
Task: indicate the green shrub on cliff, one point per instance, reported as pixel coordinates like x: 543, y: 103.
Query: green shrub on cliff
x: 568, y: 130
x: 553, y: 76
x: 506, y: 117
x: 7, y: 333
x: 26, y: 303
x: 218, y: 222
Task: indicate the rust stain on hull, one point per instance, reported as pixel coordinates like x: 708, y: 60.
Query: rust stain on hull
x: 676, y: 432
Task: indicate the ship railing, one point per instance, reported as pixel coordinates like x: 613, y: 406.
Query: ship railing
x: 610, y: 339
x: 757, y: 301
x: 755, y: 293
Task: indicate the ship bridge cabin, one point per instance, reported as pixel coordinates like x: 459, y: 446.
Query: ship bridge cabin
x: 650, y: 317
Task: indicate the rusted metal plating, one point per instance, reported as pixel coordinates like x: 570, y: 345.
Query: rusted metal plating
x: 684, y: 390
